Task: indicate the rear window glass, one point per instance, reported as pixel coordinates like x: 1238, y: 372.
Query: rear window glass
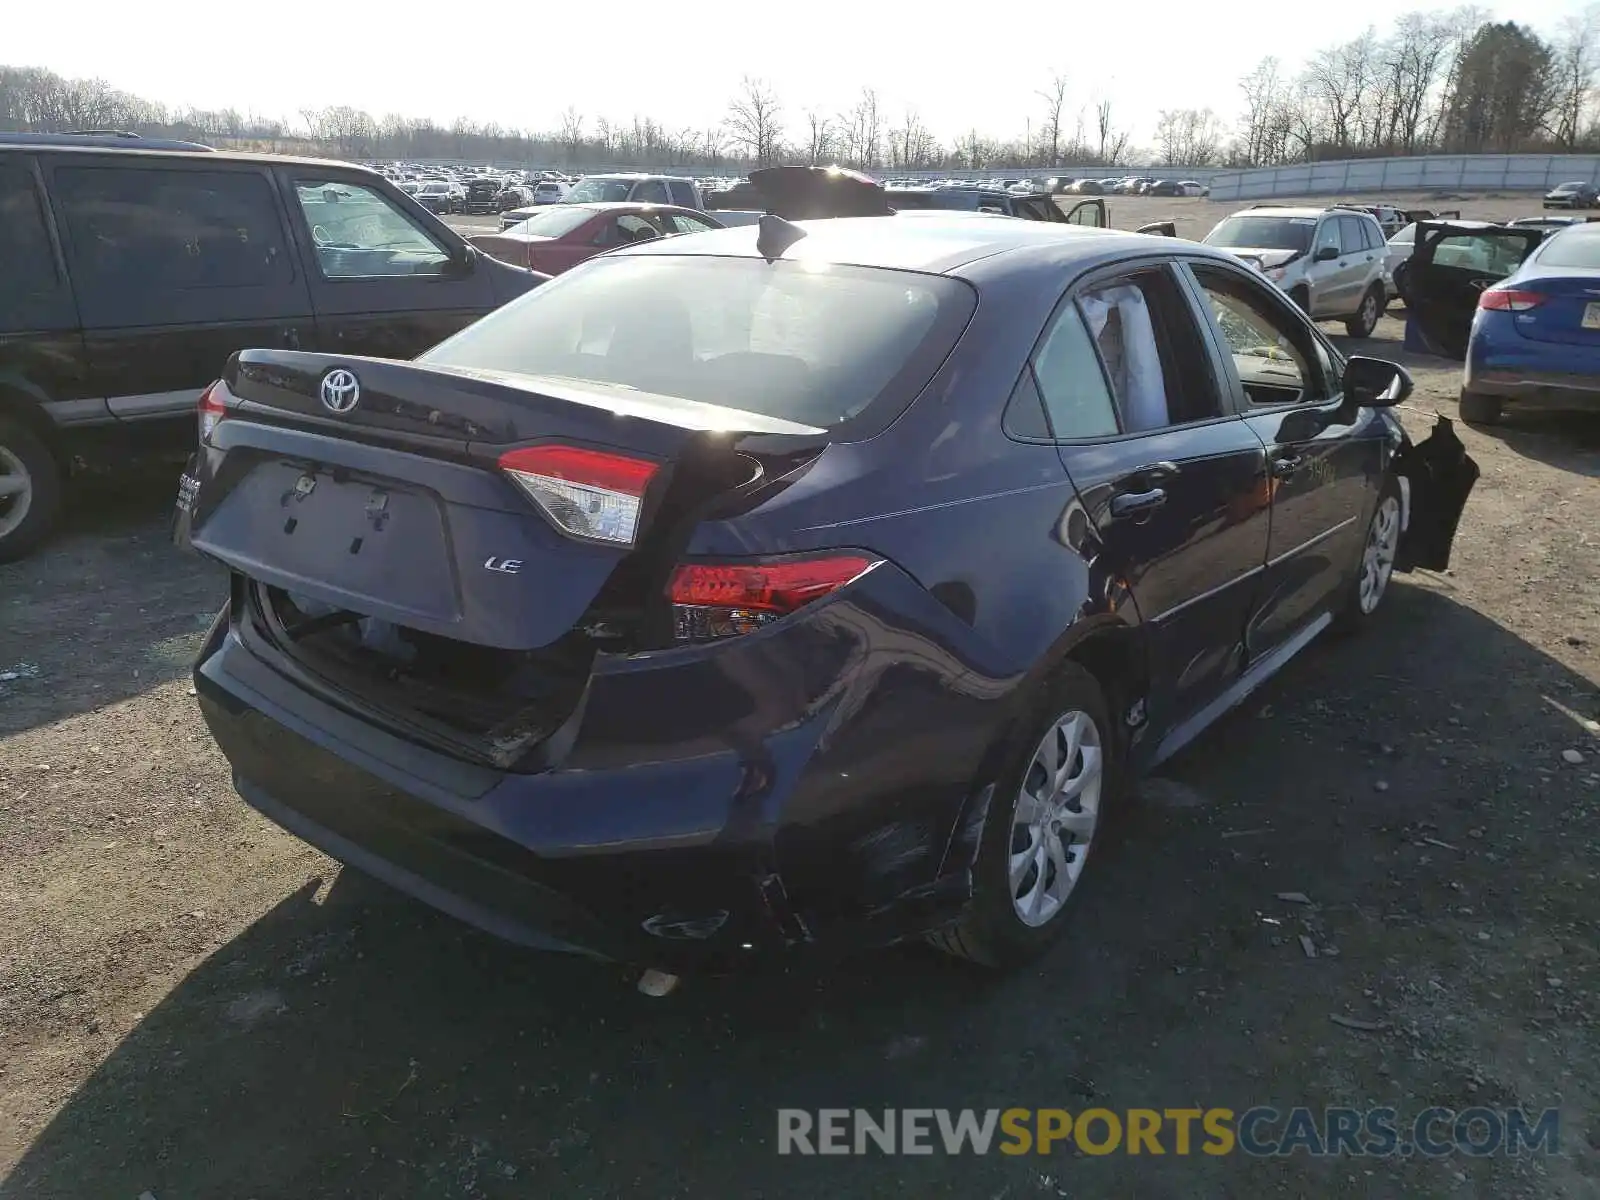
x: 817, y: 345
x: 1482, y: 254
x: 29, y: 262
x: 553, y: 222
x: 589, y: 191
x: 1572, y: 250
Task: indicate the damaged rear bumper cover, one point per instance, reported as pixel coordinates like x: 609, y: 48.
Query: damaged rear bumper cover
x: 662, y: 838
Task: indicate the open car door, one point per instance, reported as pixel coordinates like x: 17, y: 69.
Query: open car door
x: 1448, y: 269
x: 805, y: 193
x: 1088, y: 212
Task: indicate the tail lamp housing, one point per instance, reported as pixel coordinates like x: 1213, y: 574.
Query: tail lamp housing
x: 211, y: 410
x: 714, y: 600
x: 1504, y: 299
x: 594, y: 495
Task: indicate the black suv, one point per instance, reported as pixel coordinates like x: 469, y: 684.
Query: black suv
x: 133, y: 269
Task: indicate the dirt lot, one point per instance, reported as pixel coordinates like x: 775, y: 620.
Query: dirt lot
x: 189, y: 1009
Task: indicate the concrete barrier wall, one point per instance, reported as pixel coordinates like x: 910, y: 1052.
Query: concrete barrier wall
x: 1426, y: 173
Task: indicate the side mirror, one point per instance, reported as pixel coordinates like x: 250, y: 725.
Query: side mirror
x: 464, y: 259
x: 1325, y: 254
x: 1374, y: 382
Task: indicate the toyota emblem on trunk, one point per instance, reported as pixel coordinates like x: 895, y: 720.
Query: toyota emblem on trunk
x: 341, y: 390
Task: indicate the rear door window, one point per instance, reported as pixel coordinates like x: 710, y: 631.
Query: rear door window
x: 683, y: 193
x: 29, y: 263
x: 1070, y: 381
x: 684, y: 223
x: 651, y: 191
x: 1351, y: 238
x: 165, y: 230
x: 359, y: 234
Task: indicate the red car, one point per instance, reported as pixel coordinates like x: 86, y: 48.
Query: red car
x: 563, y: 235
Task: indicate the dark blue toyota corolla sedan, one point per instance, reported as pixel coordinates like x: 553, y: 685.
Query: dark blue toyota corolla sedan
x: 817, y: 582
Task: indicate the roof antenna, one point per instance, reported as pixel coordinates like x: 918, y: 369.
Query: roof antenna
x: 775, y: 236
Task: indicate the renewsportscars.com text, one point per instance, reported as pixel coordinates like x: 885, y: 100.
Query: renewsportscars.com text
x: 1260, y: 1131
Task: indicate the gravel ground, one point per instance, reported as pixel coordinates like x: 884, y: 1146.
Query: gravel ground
x: 189, y: 1007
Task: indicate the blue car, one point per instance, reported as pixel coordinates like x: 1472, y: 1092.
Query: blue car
x: 1535, y: 334
x: 821, y: 582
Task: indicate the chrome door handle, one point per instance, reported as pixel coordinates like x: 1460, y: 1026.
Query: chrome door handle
x: 1132, y: 504
x: 1288, y: 464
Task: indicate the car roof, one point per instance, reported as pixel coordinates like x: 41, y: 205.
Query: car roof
x: 207, y: 161
x: 638, y: 175
x: 1281, y: 210
x: 934, y: 243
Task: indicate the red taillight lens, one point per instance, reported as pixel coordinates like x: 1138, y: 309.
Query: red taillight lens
x: 715, y: 600
x: 1509, y: 300
x: 590, y: 494
x: 211, y: 410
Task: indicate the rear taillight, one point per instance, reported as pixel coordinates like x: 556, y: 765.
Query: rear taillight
x: 717, y: 600
x: 591, y: 494
x: 211, y: 410
x: 1509, y: 300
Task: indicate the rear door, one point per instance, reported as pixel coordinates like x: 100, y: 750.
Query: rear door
x: 175, y: 264
x: 384, y: 282
x: 1324, y: 464
x: 1448, y: 271
x: 41, y: 347
x: 1170, y: 478
x: 1088, y: 212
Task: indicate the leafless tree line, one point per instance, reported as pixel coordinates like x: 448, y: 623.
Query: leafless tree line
x: 1453, y: 82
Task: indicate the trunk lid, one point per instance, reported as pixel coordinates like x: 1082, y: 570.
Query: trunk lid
x: 1568, y: 297
x: 396, y: 508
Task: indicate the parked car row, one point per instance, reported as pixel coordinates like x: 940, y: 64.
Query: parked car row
x: 133, y: 269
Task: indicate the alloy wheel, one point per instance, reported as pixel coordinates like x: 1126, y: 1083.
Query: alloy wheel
x: 1056, y: 815
x: 16, y: 491
x: 1369, y: 312
x: 1377, y: 559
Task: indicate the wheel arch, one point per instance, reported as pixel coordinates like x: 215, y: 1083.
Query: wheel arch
x: 24, y: 402
x: 1113, y: 652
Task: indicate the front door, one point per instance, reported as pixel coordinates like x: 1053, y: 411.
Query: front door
x: 175, y: 267
x: 1321, y: 470
x: 1088, y: 212
x: 1170, y: 482
x: 382, y: 284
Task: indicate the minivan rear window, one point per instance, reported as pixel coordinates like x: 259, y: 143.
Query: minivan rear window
x: 816, y: 344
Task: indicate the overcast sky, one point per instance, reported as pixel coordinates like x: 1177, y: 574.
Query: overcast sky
x: 962, y: 66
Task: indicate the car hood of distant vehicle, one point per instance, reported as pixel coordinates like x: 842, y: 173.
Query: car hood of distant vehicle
x: 1261, y: 257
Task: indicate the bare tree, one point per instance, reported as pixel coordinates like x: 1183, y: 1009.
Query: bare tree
x: 911, y: 145
x: 1188, y: 137
x: 1113, y: 144
x: 755, y: 121
x: 863, y: 131
x: 572, y: 132
x: 820, y: 137
x: 1577, y: 59
x: 1055, y: 99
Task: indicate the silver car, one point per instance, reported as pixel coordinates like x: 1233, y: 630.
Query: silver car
x: 1330, y: 261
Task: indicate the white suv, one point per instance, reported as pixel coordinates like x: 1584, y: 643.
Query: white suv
x: 1329, y: 260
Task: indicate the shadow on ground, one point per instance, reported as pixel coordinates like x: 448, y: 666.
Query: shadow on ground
x: 365, y: 1047
x: 111, y: 588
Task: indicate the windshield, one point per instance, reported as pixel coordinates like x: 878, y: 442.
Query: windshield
x: 1570, y: 187
x: 1578, y: 248
x: 1264, y: 233
x: 807, y: 343
x: 553, y: 222
x: 435, y: 189
x: 598, y: 189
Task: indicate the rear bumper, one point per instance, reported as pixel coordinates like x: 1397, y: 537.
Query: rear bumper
x: 1549, y: 376
x: 736, y: 804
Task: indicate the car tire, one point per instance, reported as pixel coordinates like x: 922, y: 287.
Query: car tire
x: 1366, y: 317
x: 1030, y: 820
x: 1302, y: 299
x: 1480, y: 409
x: 1374, y: 568
x: 28, y: 508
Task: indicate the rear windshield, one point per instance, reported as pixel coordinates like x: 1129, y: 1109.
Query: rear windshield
x: 1575, y: 249
x: 795, y: 340
x: 553, y: 222
x: 592, y: 190
x: 1264, y: 233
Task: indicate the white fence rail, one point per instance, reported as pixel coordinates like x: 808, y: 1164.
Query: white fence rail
x: 1426, y: 173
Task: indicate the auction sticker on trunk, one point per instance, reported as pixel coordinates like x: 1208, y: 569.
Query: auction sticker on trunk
x: 1591, y: 315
